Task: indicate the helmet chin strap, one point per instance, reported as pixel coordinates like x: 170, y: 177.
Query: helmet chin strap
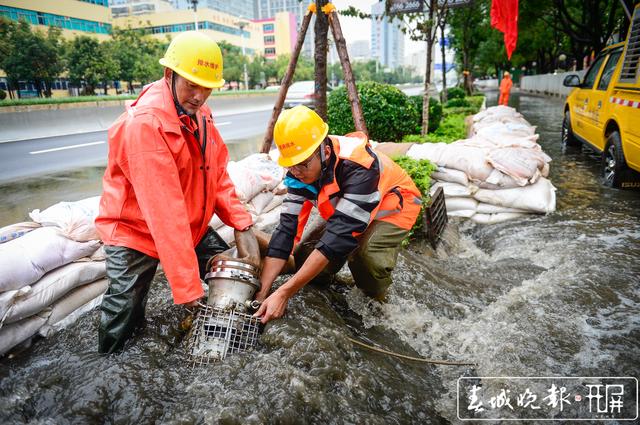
x: 179, y: 107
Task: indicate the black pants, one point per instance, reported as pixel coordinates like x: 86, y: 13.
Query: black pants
x: 130, y: 273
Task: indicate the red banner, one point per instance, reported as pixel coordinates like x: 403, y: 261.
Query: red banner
x: 504, y: 18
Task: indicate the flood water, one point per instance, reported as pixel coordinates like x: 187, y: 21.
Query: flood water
x: 554, y: 295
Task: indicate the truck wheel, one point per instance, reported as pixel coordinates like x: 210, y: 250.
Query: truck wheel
x: 613, y: 163
x: 568, y: 139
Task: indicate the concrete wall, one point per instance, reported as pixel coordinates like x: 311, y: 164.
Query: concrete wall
x: 550, y: 84
x: 60, y: 120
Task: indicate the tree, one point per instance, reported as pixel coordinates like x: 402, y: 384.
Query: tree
x: 84, y: 62
x: 233, y: 61
x: 30, y: 55
x: 109, y: 68
x: 467, y: 28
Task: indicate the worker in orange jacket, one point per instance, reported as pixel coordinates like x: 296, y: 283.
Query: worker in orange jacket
x: 165, y: 178
x: 369, y: 203
x: 505, y: 89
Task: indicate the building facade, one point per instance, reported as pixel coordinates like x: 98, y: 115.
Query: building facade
x: 139, y: 7
x: 387, y: 38
x: 266, y: 9
x: 359, y: 50
x: 240, y: 8
x: 74, y: 17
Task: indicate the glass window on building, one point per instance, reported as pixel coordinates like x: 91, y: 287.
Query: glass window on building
x: 267, y: 27
x: 269, y: 39
x: 270, y: 51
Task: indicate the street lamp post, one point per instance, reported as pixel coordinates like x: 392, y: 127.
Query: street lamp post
x: 242, y: 25
x: 195, y: 13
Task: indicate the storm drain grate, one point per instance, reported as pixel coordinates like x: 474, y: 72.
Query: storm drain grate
x: 217, y: 333
x: 435, y: 218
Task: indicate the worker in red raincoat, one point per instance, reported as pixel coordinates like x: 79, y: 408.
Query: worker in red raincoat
x: 505, y: 89
x: 166, y: 177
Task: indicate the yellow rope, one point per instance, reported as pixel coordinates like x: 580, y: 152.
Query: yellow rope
x: 415, y: 359
x: 328, y: 8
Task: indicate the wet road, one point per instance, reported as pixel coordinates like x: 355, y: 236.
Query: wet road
x: 554, y: 295
x: 46, y: 155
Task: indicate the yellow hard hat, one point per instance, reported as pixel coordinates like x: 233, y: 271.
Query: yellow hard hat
x: 298, y: 132
x: 195, y: 57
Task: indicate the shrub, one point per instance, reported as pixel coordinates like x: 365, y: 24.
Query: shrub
x: 457, y: 103
x: 435, y: 112
x: 388, y: 113
x: 455, y: 93
x: 475, y: 101
x: 460, y: 110
x: 451, y: 129
x: 3, y: 94
x: 420, y: 172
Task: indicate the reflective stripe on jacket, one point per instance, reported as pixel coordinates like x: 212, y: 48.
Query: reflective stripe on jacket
x: 359, y: 186
x: 162, y: 185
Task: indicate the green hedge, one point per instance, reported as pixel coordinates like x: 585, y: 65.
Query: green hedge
x: 455, y: 93
x: 435, y: 112
x: 452, y: 103
x: 451, y: 128
x: 420, y: 172
x: 388, y: 112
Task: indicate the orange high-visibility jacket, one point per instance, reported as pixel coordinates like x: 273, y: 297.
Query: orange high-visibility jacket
x: 505, y: 85
x: 166, y: 176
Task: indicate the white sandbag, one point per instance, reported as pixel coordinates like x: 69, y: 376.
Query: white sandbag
x: 227, y: 234
x: 471, y: 160
x: 461, y: 213
x: 9, y: 298
x: 519, y: 163
x: 484, y: 208
x: 75, y: 219
x: 495, y: 218
x: 269, y: 221
x: 497, y: 131
x: 52, y: 287
x: 450, y: 175
x: 15, y: 333
x: 275, y: 202
x: 453, y: 189
x: 247, y: 183
x: 259, y: 202
x: 539, y: 197
x: 48, y: 329
x: 215, y: 222
x: 26, y: 259
x: 544, y: 172
x: 269, y: 171
x: 73, y: 301
x: 499, y: 180
x: 458, y: 204
x: 14, y: 231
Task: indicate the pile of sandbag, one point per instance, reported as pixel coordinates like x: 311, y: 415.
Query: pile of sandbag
x: 259, y: 186
x: 53, y: 269
x: 497, y: 174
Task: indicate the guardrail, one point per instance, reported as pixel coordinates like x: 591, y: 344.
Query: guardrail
x: 549, y: 84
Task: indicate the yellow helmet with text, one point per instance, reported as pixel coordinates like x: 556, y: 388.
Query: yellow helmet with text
x: 297, y: 134
x: 196, y: 57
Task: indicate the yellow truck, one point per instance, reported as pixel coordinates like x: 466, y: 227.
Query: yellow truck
x: 603, y: 111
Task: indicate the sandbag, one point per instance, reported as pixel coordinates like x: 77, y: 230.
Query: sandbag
x: 461, y: 213
x: 484, y: 208
x: 495, y: 218
x: 271, y: 174
x: 74, y: 219
x: 539, y: 197
x: 392, y: 149
x: 499, y: 180
x: 269, y: 221
x: 50, y: 328
x: 52, y: 287
x: 275, y: 202
x: 259, y: 202
x: 450, y: 175
x: 459, y: 203
x: 74, y: 300
x: 227, y: 234
x: 519, y: 163
x: 453, y: 189
x: 9, y: 298
x: 247, y: 183
x: 14, y: 231
x: 26, y: 259
x: 15, y: 333
x: 215, y: 222
x: 471, y: 160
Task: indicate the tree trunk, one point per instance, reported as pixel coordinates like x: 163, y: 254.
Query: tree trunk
x: 130, y: 87
x: 443, y: 95
x: 427, y: 87
x: 105, y: 89
x: 320, y: 55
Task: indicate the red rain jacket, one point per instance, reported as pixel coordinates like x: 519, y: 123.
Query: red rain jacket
x: 505, y: 85
x: 162, y: 185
